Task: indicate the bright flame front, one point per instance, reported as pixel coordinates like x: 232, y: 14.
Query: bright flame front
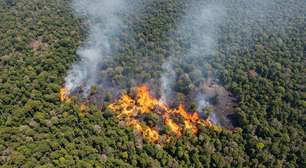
x: 63, y: 94
x: 131, y: 109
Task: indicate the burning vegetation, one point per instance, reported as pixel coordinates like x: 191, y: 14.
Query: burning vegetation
x: 63, y: 94
x: 134, y: 110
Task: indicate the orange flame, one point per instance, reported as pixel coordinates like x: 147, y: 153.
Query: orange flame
x: 189, y: 126
x: 151, y: 134
x: 63, y: 94
x: 207, y: 123
x: 145, y: 101
x: 136, y: 124
x: 125, y: 106
x: 172, y: 125
x: 83, y: 107
x: 132, y: 109
x: 191, y: 117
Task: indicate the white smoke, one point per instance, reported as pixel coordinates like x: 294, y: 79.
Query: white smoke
x: 167, y: 80
x: 202, y: 22
x: 104, y: 22
x: 202, y: 102
x: 213, y: 118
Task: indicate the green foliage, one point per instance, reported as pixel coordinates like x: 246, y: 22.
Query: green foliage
x: 39, y: 40
x: 260, y: 146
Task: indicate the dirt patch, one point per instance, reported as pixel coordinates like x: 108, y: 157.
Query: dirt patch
x: 36, y: 44
x: 252, y: 73
x: 224, y: 102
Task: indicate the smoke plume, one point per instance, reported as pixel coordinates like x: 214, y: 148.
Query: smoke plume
x: 104, y: 23
x: 206, y: 29
x: 213, y: 27
x: 167, y: 81
x: 201, y: 25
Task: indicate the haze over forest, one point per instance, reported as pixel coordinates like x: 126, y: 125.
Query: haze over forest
x: 152, y: 83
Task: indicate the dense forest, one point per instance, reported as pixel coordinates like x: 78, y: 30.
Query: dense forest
x: 261, y: 63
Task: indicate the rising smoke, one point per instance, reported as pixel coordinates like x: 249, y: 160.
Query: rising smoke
x: 167, y: 81
x: 209, y: 27
x: 201, y: 24
x: 104, y: 22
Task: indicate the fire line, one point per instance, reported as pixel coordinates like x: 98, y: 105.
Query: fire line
x: 132, y: 109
